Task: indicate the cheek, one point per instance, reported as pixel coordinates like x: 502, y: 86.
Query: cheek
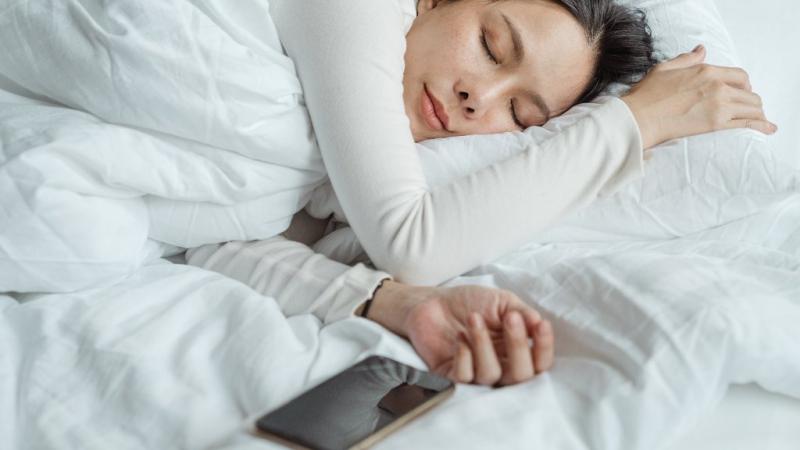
x: 498, y: 121
x: 456, y: 39
x: 466, y: 50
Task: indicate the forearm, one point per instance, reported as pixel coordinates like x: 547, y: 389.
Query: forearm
x: 300, y: 280
x: 425, y: 236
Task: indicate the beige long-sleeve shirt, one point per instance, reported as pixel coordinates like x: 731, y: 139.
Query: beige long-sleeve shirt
x: 300, y: 280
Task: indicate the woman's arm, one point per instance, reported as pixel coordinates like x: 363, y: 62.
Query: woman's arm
x: 300, y: 280
x: 493, y: 322
x: 349, y: 57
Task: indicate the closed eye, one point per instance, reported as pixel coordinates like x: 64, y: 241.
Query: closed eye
x: 485, y: 44
x: 514, y: 115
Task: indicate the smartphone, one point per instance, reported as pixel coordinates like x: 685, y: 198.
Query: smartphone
x: 355, y: 408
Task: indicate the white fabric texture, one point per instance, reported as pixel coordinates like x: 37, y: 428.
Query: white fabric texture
x: 181, y: 122
x: 765, y: 37
x: 748, y: 418
x: 649, y: 336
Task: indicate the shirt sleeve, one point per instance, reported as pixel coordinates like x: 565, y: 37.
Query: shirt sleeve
x: 300, y: 280
x: 349, y: 57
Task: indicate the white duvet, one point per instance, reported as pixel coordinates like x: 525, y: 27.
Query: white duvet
x: 176, y: 121
x: 661, y: 296
x: 650, y: 335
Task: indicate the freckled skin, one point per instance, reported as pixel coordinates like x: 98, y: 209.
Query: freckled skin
x: 445, y: 53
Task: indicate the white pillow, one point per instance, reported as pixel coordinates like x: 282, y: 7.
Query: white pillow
x: 679, y: 25
x: 689, y: 185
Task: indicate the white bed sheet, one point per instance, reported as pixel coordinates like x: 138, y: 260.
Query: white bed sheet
x: 749, y: 418
x: 177, y: 357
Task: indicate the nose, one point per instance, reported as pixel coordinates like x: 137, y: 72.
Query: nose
x: 465, y: 96
x: 478, y: 96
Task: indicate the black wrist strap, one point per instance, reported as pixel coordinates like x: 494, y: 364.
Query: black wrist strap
x: 368, y: 303
x: 365, y: 311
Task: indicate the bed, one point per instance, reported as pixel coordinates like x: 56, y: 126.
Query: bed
x: 690, y: 339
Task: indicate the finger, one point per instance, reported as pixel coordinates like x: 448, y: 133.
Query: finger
x: 514, y: 303
x: 746, y: 97
x: 685, y: 60
x: 462, y: 372
x: 732, y: 76
x: 486, y: 365
x: 753, y: 124
x: 499, y: 344
x: 543, y: 347
x: 741, y: 111
x: 532, y: 322
x: 507, y: 301
x: 532, y: 318
x: 519, y: 363
x: 738, y: 77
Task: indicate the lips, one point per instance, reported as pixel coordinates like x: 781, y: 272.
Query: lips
x: 433, y: 111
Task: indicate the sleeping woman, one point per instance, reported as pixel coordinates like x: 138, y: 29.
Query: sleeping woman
x: 379, y: 75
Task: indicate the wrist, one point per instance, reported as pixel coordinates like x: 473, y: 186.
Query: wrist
x: 392, y: 304
x: 649, y: 127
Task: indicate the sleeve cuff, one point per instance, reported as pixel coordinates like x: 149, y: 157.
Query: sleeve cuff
x: 357, y: 286
x: 623, y: 136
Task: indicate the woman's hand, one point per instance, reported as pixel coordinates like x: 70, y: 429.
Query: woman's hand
x: 683, y: 97
x: 470, y: 334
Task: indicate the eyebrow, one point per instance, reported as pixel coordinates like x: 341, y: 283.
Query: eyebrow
x: 519, y: 55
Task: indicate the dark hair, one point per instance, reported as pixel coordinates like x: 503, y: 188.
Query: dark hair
x: 621, y: 38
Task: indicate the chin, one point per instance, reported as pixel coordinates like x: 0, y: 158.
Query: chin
x: 419, y: 133
x: 420, y: 136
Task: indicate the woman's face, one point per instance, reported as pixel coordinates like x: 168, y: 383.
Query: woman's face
x: 476, y: 67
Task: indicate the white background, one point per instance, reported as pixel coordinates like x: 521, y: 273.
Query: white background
x: 767, y: 35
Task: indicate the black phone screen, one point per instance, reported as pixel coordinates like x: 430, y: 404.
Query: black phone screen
x: 357, y: 403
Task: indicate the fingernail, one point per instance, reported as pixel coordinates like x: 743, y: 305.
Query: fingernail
x: 774, y: 127
x: 698, y: 48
